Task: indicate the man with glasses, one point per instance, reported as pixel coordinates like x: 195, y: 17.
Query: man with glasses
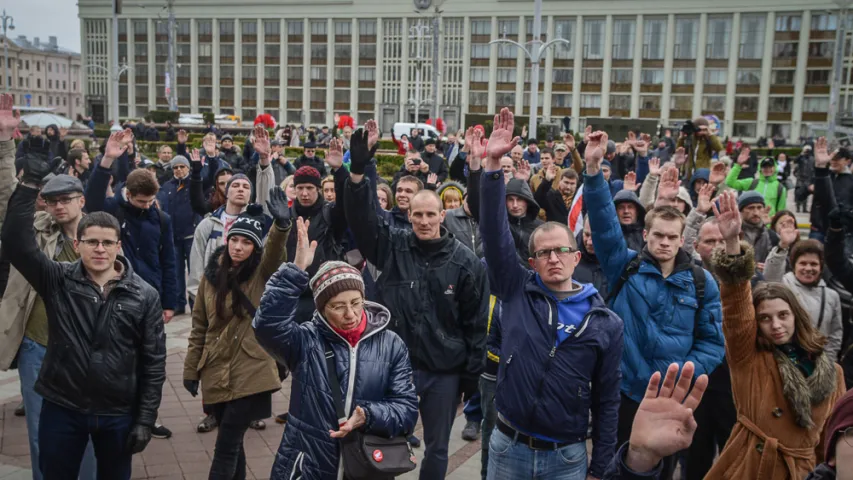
x: 309, y: 159
x: 163, y: 164
x: 561, y: 346
x: 671, y: 308
x: 174, y: 199
x: 103, y: 373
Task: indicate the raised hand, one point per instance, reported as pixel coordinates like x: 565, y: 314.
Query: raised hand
x: 646, y: 138
x: 743, y: 156
x: 728, y: 216
x: 654, y: 166
x: 630, y: 182
x: 718, y: 173
x: 765, y: 215
x: 372, y: 133
x: 821, y: 153
x: 524, y: 131
x: 183, y: 136
x: 569, y: 140
x: 262, y: 144
x: 664, y: 422
x: 679, y: 157
x: 596, y: 147
x: 277, y: 206
x: 641, y: 147
x: 788, y: 234
x: 9, y: 120
x: 523, y: 171
x: 360, y: 153
x: 195, y: 161
x: 335, y: 157
x: 117, y: 144
x: 501, y: 141
x: 669, y: 183
x: 304, y: 256
x: 586, y: 133
x: 209, y: 145
x: 432, y: 179
x: 704, y: 201
x: 551, y: 173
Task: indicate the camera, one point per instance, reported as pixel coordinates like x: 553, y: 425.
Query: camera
x: 416, y: 161
x: 688, y: 128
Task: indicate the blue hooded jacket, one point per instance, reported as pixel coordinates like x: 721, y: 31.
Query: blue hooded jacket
x: 375, y: 375
x: 544, y: 388
x: 659, y: 312
x: 174, y: 199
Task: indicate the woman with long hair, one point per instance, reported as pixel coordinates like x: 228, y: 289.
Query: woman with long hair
x: 783, y: 382
x: 237, y: 376
x: 385, y: 196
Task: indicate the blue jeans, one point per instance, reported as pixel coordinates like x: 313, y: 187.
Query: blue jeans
x: 30, y: 358
x: 183, y: 248
x: 64, y: 433
x: 510, y: 460
x: 473, y: 410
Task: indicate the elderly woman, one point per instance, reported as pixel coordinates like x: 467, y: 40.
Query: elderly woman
x: 783, y: 381
x: 371, y: 362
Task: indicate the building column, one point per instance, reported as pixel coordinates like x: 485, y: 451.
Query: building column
x: 214, y: 25
x: 766, y: 71
x: 306, y: 72
x: 353, y: 77
x: 238, y: 69
x: 731, y: 76
x: 521, y: 63
x: 403, y: 103
x: 700, y: 65
x: 152, y: 66
x: 493, y: 67
x: 605, y: 69
x: 637, y: 66
x: 548, y: 72
x: 379, y: 70
x: 330, y: 71
x: 261, y: 64
x: 282, y: 72
x: 193, y: 65
x: 669, y: 52
x: 577, y: 66
x: 466, y: 70
x: 800, y: 78
x: 131, y: 74
x: 439, y: 84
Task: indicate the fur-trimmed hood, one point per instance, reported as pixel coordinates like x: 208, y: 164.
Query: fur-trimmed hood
x: 804, y: 392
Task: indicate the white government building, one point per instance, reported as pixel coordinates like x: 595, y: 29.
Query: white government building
x: 763, y: 67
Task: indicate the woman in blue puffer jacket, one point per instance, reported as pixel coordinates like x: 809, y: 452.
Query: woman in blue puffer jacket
x: 372, y: 364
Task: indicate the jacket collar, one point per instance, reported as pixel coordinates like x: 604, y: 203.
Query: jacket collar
x: 78, y: 273
x: 378, y: 318
x: 802, y: 393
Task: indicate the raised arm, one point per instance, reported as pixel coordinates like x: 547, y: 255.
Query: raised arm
x: 732, y: 178
x: 8, y: 124
x: 275, y: 248
x: 696, y: 218
x: 335, y: 160
x: 99, y: 182
x: 197, y: 201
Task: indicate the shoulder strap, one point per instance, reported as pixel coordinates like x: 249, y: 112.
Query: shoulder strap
x: 822, y: 305
x: 753, y: 184
x: 247, y: 304
x: 631, y: 268
x: 334, y: 383
x: 699, y: 283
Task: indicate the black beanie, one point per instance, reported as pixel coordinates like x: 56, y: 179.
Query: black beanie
x: 250, y: 224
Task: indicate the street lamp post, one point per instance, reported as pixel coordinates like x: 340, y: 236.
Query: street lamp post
x: 8, y: 24
x: 838, y: 64
x: 534, y: 54
x: 419, y: 31
x: 113, y: 75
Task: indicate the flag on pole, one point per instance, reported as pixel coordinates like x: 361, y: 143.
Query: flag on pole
x: 576, y: 212
x: 168, y: 85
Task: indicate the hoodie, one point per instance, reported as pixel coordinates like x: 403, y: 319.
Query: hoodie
x: 522, y: 227
x: 589, y: 270
x: 571, y: 310
x: 633, y: 233
x: 699, y: 173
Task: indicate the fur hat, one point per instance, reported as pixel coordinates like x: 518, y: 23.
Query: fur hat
x: 333, y: 278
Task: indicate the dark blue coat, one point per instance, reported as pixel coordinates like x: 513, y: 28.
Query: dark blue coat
x: 150, y: 258
x: 174, y: 199
x: 382, y: 384
x: 543, y: 389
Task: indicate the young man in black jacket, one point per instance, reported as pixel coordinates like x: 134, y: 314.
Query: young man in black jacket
x: 438, y: 295
x: 103, y: 373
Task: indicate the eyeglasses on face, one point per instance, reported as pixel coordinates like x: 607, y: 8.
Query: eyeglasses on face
x: 341, y: 309
x: 51, y: 202
x: 562, y: 253
x: 93, y: 243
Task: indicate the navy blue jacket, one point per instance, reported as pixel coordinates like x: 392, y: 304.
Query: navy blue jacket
x: 379, y: 381
x: 618, y: 470
x: 140, y: 237
x: 211, y: 166
x: 543, y: 389
x: 174, y: 199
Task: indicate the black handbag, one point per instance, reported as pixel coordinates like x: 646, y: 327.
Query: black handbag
x: 366, y: 456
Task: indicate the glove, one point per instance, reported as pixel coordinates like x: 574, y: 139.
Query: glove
x: 468, y: 386
x: 360, y: 156
x: 191, y: 386
x: 277, y: 205
x: 841, y: 218
x: 138, y: 439
x: 197, y: 167
x: 37, y: 166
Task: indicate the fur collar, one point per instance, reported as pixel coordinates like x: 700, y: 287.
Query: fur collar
x: 734, y: 269
x: 213, y: 264
x: 803, y: 393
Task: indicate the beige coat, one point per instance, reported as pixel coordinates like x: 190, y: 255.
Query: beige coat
x: 223, y: 352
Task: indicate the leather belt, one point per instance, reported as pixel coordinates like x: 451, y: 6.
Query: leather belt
x: 531, y: 442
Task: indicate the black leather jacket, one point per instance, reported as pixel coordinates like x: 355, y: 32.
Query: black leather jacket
x: 105, y: 356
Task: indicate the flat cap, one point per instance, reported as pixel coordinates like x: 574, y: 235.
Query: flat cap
x: 62, y: 184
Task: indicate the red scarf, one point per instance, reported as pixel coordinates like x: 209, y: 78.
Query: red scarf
x: 353, y: 335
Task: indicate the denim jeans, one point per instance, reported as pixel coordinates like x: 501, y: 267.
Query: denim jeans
x: 30, y: 358
x: 473, y: 409
x: 511, y: 460
x: 183, y: 248
x: 438, y: 399
x: 64, y: 433
x: 490, y: 415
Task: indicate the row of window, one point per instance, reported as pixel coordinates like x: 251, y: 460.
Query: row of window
x: 250, y: 27
x: 24, y: 64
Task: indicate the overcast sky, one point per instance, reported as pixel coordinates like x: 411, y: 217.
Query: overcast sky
x: 43, y: 18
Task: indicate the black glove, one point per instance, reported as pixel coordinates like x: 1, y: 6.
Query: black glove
x: 841, y: 218
x: 37, y: 166
x: 196, y: 167
x: 138, y: 439
x: 468, y: 386
x: 359, y: 155
x: 277, y: 205
x: 191, y: 386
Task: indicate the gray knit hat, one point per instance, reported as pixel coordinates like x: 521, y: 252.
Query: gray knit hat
x: 179, y: 160
x: 748, y: 198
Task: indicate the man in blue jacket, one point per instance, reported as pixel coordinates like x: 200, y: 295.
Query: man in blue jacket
x: 667, y: 317
x: 561, y: 346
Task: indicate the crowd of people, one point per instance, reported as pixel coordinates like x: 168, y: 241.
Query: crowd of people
x: 602, y: 309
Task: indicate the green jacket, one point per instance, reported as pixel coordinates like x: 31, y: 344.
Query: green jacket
x: 775, y: 195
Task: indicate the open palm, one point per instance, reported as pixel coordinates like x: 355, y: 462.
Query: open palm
x: 728, y: 215
x: 262, y: 142
x: 372, y: 133
x: 501, y: 141
x: 9, y: 120
x: 821, y: 153
x: 335, y: 157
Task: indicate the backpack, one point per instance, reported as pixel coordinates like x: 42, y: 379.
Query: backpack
x: 633, y: 267
x: 778, y: 187
x: 163, y: 226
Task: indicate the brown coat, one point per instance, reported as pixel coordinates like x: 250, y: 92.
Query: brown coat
x: 223, y: 353
x: 774, y: 400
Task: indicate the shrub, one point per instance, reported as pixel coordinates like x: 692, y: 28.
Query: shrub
x: 162, y: 116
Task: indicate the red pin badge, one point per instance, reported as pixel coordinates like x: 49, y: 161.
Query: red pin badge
x: 377, y: 455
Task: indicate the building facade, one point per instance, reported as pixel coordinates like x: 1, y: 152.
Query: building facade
x: 764, y: 68
x: 44, y: 75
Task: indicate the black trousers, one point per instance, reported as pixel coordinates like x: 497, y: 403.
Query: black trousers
x: 627, y: 411
x: 229, y: 458
x: 715, y: 417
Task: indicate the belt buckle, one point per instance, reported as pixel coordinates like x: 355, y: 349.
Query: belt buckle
x: 531, y: 443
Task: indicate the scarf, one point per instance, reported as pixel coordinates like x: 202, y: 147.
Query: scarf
x: 799, y: 357
x: 353, y: 335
